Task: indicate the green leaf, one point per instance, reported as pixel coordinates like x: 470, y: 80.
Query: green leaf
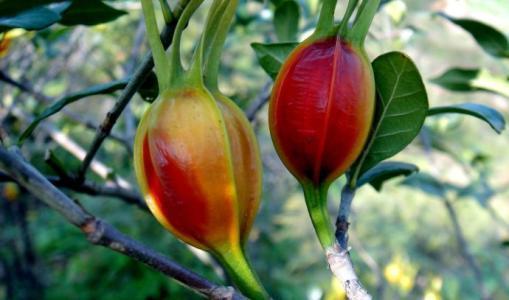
x: 286, y: 21
x: 467, y: 80
x: 490, y: 39
x: 505, y: 244
x: 34, y: 19
x: 489, y: 115
x: 11, y: 8
x: 89, y: 12
x: 272, y: 56
x: 427, y: 184
x: 100, y: 89
x: 402, y: 106
x: 385, y: 171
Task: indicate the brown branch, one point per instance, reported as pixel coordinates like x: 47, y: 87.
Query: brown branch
x: 100, y: 232
x: 338, y: 256
x: 258, y: 103
x: 134, y: 84
x: 92, y: 189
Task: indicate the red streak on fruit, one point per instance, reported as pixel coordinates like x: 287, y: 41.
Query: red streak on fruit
x: 321, y: 109
x: 186, y: 170
x: 177, y: 200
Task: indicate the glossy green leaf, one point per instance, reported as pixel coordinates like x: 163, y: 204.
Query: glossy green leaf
x: 90, y: 12
x: 11, y: 7
x: 489, y: 115
x: 505, y: 244
x: 34, y: 19
x: 402, y: 106
x: 272, y: 56
x: 100, y: 89
x: 286, y: 21
x: 385, y: 171
x: 467, y: 80
x: 490, y: 39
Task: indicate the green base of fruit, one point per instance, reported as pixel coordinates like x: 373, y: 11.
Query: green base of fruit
x: 316, y: 201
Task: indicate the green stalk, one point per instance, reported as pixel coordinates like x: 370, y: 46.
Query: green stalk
x: 221, y: 24
x: 158, y: 52
x: 167, y: 14
x: 316, y: 201
x: 365, y: 15
x: 240, y: 272
x: 326, y: 19
x: 212, y: 25
x: 196, y: 71
x: 343, y: 28
x: 176, y: 68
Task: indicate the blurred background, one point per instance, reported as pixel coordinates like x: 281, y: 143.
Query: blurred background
x: 443, y: 234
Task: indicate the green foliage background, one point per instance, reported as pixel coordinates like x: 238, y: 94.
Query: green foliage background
x: 404, y: 246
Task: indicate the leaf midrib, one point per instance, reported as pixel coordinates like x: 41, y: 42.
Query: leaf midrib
x: 382, y: 117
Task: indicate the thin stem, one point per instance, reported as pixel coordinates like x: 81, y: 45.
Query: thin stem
x: 241, y: 273
x: 342, y: 224
x: 175, y: 60
x: 221, y: 23
x: 159, y: 54
x: 365, y: 15
x: 343, y: 28
x: 338, y: 255
x: 167, y: 13
x: 326, y: 19
x: 259, y: 102
x: 316, y: 201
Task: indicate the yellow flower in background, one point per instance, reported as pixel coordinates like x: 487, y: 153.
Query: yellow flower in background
x: 392, y: 272
x: 336, y: 291
x: 401, y: 273
x: 432, y: 295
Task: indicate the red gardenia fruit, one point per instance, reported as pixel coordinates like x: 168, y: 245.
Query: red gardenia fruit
x: 321, y: 109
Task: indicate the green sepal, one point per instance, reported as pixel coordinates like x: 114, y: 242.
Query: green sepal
x: 325, y: 25
x: 158, y: 52
x: 365, y: 14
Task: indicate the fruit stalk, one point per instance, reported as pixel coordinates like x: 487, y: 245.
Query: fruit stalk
x: 241, y: 273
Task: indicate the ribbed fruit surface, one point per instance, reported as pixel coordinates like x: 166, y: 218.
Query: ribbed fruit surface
x: 321, y: 109
x: 191, y: 160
